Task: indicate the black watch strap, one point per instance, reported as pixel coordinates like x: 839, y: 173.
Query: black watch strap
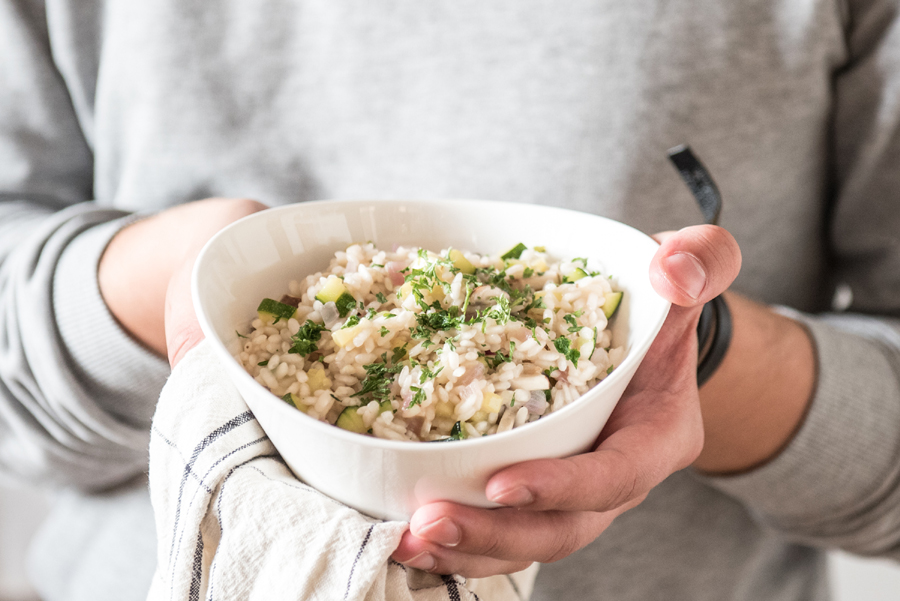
x: 714, y: 345
x: 714, y: 327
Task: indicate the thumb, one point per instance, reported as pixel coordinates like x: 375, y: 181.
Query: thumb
x: 182, y: 328
x: 695, y: 265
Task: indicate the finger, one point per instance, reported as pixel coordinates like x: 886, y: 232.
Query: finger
x: 694, y: 265
x: 433, y: 558
x: 661, y: 439
x: 479, y: 542
x: 182, y: 328
x: 482, y: 542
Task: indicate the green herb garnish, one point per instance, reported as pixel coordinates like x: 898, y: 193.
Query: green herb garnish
x: 562, y: 347
x: 304, y: 341
x: 377, y: 383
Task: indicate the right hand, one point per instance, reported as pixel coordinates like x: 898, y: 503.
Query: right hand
x: 553, y: 507
x: 145, y: 258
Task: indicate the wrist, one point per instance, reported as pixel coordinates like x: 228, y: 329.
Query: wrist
x: 133, y: 275
x: 756, y: 400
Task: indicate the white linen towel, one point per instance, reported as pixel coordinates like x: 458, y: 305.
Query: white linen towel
x: 233, y: 522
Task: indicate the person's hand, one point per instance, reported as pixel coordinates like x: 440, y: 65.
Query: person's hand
x: 555, y: 507
x: 144, y: 274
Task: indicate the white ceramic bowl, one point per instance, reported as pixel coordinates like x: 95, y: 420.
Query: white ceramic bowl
x: 257, y: 256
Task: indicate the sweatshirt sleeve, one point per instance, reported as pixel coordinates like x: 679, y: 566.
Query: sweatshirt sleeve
x: 837, y: 483
x: 76, y: 392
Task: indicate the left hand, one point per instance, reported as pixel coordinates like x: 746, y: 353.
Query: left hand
x: 195, y: 223
x: 556, y: 506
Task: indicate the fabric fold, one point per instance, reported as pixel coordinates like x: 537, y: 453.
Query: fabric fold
x: 232, y: 520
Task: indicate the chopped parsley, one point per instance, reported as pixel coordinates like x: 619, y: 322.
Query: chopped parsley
x: 239, y: 335
x: 563, y: 348
x: 376, y: 386
x: 351, y: 321
x: 573, y: 326
x: 499, y: 358
x: 399, y: 353
x: 381, y: 298
x: 263, y: 363
x: 304, y: 341
x: 418, y: 397
x: 384, y: 331
x: 609, y: 369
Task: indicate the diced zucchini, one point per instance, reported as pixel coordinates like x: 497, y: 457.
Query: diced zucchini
x: 351, y: 420
x: 318, y: 380
x: 345, y: 303
x: 332, y: 290
x: 460, y: 261
x: 385, y: 406
x: 458, y: 432
x: 271, y: 311
x: 611, y: 302
x: 343, y: 337
x: 335, y: 291
x: 585, y: 346
x: 443, y: 409
x: 491, y: 403
x: 575, y: 275
x: 294, y: 400
x: 480, y: 416
x: 514, y: 253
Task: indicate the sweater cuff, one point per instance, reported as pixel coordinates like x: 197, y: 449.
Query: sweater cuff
x: 122, y: 372
x: 847, y: 446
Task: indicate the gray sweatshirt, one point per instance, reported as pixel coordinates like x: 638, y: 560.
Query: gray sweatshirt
x: 112, y: 108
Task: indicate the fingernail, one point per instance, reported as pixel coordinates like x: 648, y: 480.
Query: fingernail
x: 443, y: 532
x: 422, y: 561
x: 518, y: 496
x: 686, y: 273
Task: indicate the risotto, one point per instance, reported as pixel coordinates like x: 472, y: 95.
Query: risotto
x: 423, y: 346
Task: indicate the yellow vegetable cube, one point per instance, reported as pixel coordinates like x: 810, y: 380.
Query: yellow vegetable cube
x: 491, y: 403
x: 443, y: 409
x: 343, y: 337
x: 461, y: 262
x: 332, y: 290
x: 318, y: 380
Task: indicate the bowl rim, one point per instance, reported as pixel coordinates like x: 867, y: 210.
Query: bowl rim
x: 232, y: 365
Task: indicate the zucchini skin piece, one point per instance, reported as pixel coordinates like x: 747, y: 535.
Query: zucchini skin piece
x: 276, y: 309
x: 575, y: 276
x: 345, y: 303
x: 350, y: 420
x: 514, y: 253
x: 611, y: 303
x: 457, y: 432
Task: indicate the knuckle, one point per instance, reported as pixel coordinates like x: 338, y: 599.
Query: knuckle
x: 622, y: 486
x: 564, y: 544
x: 492, y: 545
